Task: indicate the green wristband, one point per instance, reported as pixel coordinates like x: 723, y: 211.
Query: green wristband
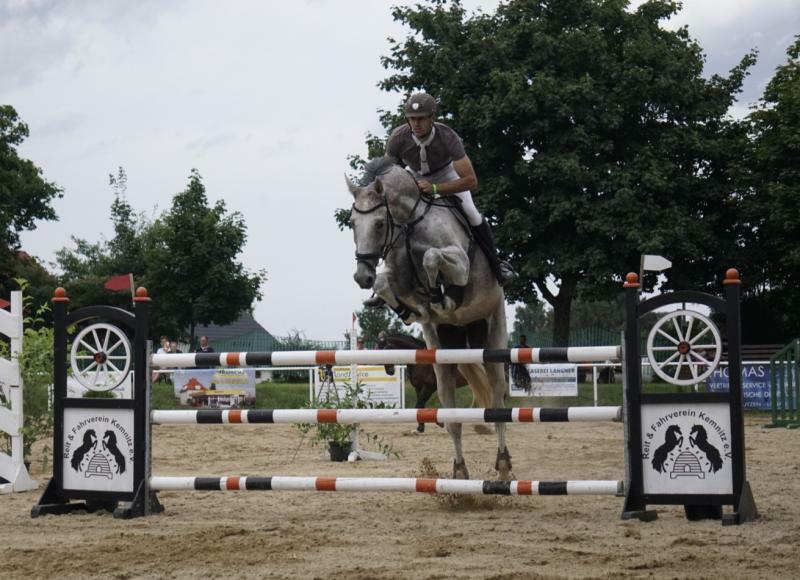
x: 433, y: 187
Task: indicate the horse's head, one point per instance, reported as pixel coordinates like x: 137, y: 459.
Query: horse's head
x: 370, y: 223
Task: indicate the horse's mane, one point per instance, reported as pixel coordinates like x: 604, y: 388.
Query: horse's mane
x: 376, y: 167
x: 403, y: 341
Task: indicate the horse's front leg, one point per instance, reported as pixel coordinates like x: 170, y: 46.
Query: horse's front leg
x: 446, y: 389
x: 383, y: 288
x: 449, y: 264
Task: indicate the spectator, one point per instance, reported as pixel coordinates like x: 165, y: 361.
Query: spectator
x: 204, y: 346
x: 155, y: 376
x: 164, y: 348
x: 173, y: 347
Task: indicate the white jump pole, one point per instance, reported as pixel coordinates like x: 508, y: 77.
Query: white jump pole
x: 578, y: 354
x: 388, y: 484
x: 344, y: 416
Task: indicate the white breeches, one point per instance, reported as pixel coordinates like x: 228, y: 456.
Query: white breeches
x: 448, y: 173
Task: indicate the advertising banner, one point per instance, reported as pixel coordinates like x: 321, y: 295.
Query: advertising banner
x: 755, y: 385
x: 215, y: 388
x: 543, y: 380
x: 378, y: 386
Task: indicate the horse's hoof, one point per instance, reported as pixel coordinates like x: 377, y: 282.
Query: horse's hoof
x: 421, y: 428
x: 503, y: 465
x: 460, y: 470
x: 506, y: 475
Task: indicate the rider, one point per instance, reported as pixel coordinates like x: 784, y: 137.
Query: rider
x: 435, y: 156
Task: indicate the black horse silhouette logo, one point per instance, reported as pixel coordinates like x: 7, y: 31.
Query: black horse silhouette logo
x: 699, y: 438
x: 673, y: 438
x: 110, y: 444
x: 89, y: 443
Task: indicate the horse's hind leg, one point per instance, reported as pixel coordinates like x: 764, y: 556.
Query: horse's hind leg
x: 497, y: 379
x: 446, y: 379
x: 447, y: 336
x: 495, y: 336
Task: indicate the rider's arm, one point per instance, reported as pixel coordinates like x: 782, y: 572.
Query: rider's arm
x: 393, y: 149
x: 467, y: 180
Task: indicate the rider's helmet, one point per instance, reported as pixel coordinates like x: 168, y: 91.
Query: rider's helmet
x: 420, y: 105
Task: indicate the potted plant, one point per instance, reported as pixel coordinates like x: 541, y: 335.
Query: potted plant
x: 338, y: 437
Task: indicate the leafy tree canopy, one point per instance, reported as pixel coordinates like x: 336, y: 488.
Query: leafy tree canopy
x: 25, y: 196
x: 194, y: 272
x: 374, y: 320
x: 593, y: 132
x: 771, y: 207
x: 187, y: 258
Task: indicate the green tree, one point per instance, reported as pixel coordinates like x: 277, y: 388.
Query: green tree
x: 531, y: 317
x: 25, y: 196
x: 373, y: 320
x: 771, y: 309
x: 192, y: 270
x: 88, y: 265
x: 186, y: 258
x: 593, y: 132
x: 598, y: 313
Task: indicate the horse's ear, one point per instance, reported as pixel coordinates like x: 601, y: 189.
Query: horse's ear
x: 378, y: 186
x: 354, y: 189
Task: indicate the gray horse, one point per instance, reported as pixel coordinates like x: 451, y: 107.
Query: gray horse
x: 429, y: 278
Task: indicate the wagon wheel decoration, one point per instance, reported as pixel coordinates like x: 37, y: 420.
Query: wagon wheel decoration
x: 684, y: 339
x: 100, y: 357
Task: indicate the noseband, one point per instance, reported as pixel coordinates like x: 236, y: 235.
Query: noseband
x: 376, y: 256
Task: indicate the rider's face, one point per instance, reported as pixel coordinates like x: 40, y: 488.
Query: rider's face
x: 421, y: 126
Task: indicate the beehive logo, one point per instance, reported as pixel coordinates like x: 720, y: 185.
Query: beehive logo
x: 98, y: 458
x: 694, y: 457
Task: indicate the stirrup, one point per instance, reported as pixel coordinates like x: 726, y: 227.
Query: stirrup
x: 436, y: 295
x: 374, y: 301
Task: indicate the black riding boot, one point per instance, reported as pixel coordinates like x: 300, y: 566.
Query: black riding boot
x: 501, y: 270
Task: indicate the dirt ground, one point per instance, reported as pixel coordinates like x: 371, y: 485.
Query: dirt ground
x: 338, y: 535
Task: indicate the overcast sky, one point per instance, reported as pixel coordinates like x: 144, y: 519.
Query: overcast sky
x: 266, y: 100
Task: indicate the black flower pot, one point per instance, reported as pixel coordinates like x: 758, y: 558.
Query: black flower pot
x: 338, y: 451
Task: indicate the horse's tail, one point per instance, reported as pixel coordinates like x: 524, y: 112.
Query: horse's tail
x: 478, y: 382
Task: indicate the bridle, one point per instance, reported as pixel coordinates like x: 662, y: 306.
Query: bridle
x: 390, y: 239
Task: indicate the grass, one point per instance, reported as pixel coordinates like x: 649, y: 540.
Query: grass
x: 295, y: 396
